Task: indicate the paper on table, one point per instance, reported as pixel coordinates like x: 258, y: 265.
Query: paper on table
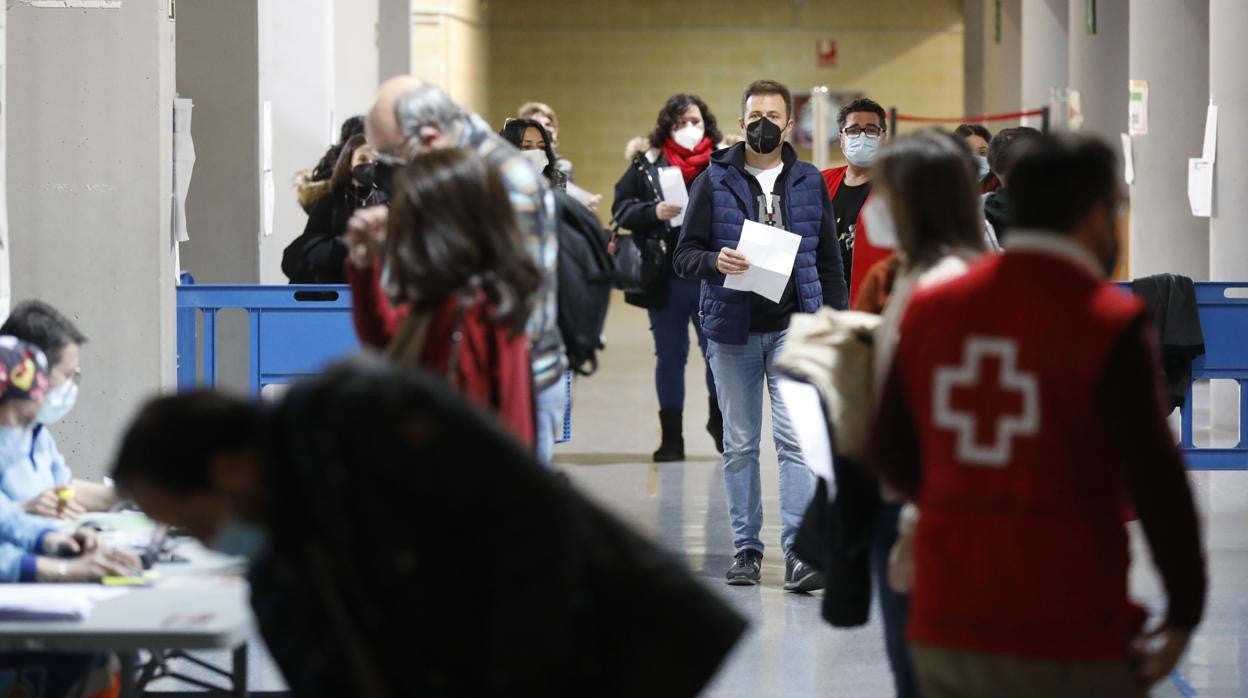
x: 1200, y: 186
x: 805, y: 410
x: 1128, y: 159
x: 672, y: 182
x: 771, y: 252
x: 52, y: 601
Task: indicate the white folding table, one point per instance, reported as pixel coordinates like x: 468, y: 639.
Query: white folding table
x: 201, y: 604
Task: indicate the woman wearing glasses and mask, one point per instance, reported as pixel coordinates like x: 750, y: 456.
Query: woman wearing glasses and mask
x: 862, y: 125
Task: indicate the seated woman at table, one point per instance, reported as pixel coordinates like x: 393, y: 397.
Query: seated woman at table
x: 456, y: 263
x: 32, y: 549
x: 34, y: 474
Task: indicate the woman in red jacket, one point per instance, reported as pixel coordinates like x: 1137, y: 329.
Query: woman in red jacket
x: 463, y: 284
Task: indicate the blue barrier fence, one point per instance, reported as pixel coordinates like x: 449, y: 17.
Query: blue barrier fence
x: 294, y: 332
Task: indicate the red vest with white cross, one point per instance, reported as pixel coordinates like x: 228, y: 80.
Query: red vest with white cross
x: 1020, y: 547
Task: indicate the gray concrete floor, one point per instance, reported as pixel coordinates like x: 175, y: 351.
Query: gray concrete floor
x: 789, y: 650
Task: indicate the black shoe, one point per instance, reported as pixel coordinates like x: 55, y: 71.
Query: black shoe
x: 715, y: 424
x: 747, y: 568
x: 801, y: 577
x: 672, y: 445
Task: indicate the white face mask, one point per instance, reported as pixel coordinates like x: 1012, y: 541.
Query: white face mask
x: 538, y: 158
x: 860, y: 150
x: 981, y: 162
x: 689, y: 137
x: 58, y: 402
x: 879, y: 222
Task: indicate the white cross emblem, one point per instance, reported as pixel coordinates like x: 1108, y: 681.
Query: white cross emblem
x: 987, y: 393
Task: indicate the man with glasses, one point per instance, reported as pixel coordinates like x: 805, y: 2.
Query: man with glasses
x: 36, y: 476
x: 412, y: 117
x: 760, y: 180
x: 862, y: 125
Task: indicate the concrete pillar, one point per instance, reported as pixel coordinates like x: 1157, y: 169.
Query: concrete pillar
x: 448, y: 45
x: 1098, y: 64
x: 973, y: 56
x: 1228, y: 88
x: 90, y: 127
x: 394, y: 38
x: 1165, y: 236
x: 1002, y: 58
x: 4, y: 219
x: 1043, y: 65
x: 223, y: 205
x: 297, y: 81
x: 356, y: 56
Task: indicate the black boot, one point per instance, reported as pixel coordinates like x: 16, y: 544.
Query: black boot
x: 715, y: 424
x: 672, y: 448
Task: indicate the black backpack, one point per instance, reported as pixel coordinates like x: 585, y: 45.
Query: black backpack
x: 586, y: 272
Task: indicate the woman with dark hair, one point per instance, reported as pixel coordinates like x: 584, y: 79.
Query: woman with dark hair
x: 929, y: 194
x: 456, y: 264
x: 684, y: 136
x: 317, y: 256
x: 312, y: 185
x: 535, y: 142
x: 978, y: 137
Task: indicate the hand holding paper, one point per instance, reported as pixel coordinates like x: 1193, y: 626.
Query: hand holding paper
x: 770, y: 253
x: 672, y: 182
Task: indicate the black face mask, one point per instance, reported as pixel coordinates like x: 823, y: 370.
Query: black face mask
x: 764, y: 136
x: 365, y: 175
x: 383, y: 176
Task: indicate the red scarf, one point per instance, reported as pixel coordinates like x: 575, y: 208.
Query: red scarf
x: 690, y: 162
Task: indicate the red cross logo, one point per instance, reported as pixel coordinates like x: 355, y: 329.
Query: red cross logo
x: 987, y: 401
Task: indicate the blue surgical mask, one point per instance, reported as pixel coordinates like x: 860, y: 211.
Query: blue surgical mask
x: 14, y: 441
x: 860, y: 150
x: 240, y: 539
x: 58, y: 402
x: 982, y: 162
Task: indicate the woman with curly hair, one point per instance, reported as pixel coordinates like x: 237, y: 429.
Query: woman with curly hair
x: 684, y: 136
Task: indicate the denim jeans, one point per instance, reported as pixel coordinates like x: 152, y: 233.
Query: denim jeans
x: 551, y: 405
x: 740, y: 372
x: 894, y: 607
x: 670, y: 327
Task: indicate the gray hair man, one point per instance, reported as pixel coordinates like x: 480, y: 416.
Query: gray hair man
x: 411, y: 117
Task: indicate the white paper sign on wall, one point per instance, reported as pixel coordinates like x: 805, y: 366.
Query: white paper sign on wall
x: 1137, y: 108
x: 80, y: 4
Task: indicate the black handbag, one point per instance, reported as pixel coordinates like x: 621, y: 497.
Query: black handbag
x: 638, y: 260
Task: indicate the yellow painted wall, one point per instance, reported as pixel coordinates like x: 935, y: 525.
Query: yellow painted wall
x: 449, y: 47
x: 608, y: 65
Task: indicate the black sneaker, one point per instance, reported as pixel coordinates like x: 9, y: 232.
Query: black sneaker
x: 747, y: 568
x: 801, y: 577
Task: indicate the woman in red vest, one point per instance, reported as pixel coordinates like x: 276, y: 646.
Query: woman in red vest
x: 456, y: 265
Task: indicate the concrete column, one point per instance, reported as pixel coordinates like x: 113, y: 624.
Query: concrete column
x: 90, y: 127
x: 1043, y: 65
x: 4, y: 219
x: 394, y: 38
x: 1002, y: 58
x: 1165, y: 236
x: 297, y: 80
x: 449, y: 48
x: 973, y: 56
x: 223, y: 205
x: 1228, y: 88
x: 356, y: 56
x: 1098, y: 64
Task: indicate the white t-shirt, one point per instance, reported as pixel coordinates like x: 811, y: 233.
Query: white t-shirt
x: 767, y: 180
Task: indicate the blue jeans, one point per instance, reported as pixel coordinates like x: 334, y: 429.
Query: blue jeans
x: 670, y: 327
x: 740, y: 371
x: 893, y: 606
x: 551, y: 405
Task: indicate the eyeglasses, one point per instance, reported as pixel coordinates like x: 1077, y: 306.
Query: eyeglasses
x: 868, y: 131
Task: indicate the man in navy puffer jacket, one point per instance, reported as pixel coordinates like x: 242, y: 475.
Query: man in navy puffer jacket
x: 759, y: 180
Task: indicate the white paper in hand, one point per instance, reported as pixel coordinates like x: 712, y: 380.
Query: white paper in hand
x: 771, y: 252
x: 672, y: 182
